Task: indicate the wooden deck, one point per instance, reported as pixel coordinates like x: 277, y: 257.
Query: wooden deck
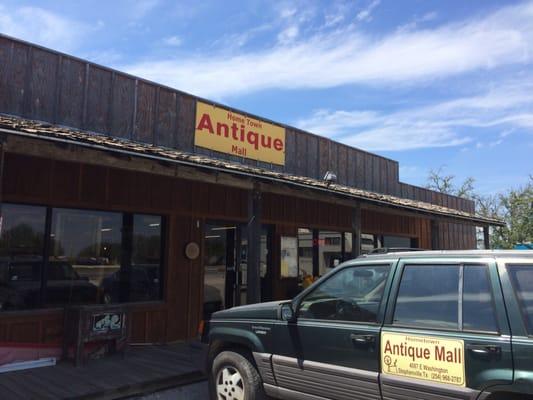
x: 143, y: 370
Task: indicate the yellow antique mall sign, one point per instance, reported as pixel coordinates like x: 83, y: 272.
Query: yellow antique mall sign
x: 228, y: 132
x: 423, y: 357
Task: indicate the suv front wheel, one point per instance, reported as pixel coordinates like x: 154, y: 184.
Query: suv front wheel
x: 234, y: 377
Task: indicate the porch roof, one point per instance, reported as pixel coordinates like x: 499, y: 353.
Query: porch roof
x: 40, y: 130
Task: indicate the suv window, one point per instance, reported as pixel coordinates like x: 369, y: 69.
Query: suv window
x: 478, y: 304
x: 429, y: 297
x: 352, y: 294
x: 522, y: 280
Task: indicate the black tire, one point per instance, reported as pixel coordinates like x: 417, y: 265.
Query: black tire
x: 252, y: 385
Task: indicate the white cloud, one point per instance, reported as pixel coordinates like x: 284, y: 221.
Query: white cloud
x: 417, y: 21
x: 288, y: 35
x: 37, y: 25
x: 234, y: 41
x: 506, y: 133
x: 175, y: 41
x: 337, y: 14
x: 508, y: 106
x: 366, y: 13
x: 348, y: 56
x: 287, y: 12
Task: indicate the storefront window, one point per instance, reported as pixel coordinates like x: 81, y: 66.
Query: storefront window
x: 93, y: 257
x: 85, y: 257
x: 305, y: 253
x: 348, y: 241
x: 21, y: 255
x: 369, y: 242
x: 145, y: 278
x: 329, y: 251
x: 397, y: 241
x: 265, y: 269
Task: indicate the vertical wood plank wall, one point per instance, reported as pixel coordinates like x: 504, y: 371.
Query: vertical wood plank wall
x: 45, y: 85
x: 186, y: 205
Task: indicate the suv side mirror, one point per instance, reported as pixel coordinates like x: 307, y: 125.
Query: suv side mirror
x: 287, y: 313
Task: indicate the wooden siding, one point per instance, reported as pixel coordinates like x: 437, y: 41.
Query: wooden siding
x: 41, y: 84
x: 186, y: 204
x: 397, y: 225
x: 291, y: 211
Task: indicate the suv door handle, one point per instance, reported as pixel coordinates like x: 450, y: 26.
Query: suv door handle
x: 484, y: 350
x: 362, y: 339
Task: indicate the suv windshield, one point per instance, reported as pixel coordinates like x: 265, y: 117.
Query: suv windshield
x: 522, y: 280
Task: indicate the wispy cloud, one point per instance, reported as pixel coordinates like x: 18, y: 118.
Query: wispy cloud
x: 44, y: 27
x: 366, y: 13
x: 348, y: 56
x: 416, y: 21
x: 235, y: 41
x: 175, y: 41
x: 508, y: 106
x: 288, y: 35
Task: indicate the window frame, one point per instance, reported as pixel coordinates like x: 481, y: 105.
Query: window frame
x: 521, y: 307
x: 42, y: 306
x: 461, y: 264
x: 382, y: 305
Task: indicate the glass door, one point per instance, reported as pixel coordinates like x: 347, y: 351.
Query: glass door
x: 226, y: 265
x: 219, y: 267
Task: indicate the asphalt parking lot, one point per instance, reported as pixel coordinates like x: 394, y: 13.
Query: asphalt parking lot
x: 195, y: 391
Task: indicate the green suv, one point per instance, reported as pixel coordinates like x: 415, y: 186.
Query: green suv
x: 436, y: 325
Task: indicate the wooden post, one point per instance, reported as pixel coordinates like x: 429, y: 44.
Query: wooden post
x: 434, y: 235
x: 2, y: 156
x: 486, y: 237
x: 356, y: 231
x: 253, y: 280
x: 315, y: 249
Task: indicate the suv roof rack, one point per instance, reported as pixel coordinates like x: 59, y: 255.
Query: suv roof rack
x: 387, y: 250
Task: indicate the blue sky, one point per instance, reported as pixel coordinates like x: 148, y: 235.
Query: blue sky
x: 428, y: 83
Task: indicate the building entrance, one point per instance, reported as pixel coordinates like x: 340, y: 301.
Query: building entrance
x: 226, y: 265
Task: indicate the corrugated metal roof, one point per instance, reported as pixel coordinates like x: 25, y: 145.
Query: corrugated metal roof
x: 16, y: 125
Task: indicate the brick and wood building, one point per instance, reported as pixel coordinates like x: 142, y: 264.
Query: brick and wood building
x: 111, y: 195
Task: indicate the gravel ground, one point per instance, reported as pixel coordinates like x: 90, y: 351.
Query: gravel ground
x: 195, y: 391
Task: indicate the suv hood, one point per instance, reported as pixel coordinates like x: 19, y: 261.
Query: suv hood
x: 252, y: 311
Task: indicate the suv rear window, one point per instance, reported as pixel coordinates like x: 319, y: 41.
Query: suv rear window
x: 522, y: 280
x: 457, y: 297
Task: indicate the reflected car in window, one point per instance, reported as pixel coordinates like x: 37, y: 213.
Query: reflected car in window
x: 20, y: 285
x: 144, y: 284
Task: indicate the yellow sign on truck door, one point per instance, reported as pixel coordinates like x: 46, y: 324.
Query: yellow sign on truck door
x: 237, y: 134
x: 423, y: 357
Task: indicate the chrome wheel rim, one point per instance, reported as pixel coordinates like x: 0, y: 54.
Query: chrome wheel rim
x: 229, y: 384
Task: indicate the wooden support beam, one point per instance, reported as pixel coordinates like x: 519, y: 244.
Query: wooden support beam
x: 486, y: 237
x: 2, y: 157
x: 316, y: 255
x: 435, y: 243
x: 356, y: 231
x: 253, y: 276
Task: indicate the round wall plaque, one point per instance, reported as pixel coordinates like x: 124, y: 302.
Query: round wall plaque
x: 192, y: 250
